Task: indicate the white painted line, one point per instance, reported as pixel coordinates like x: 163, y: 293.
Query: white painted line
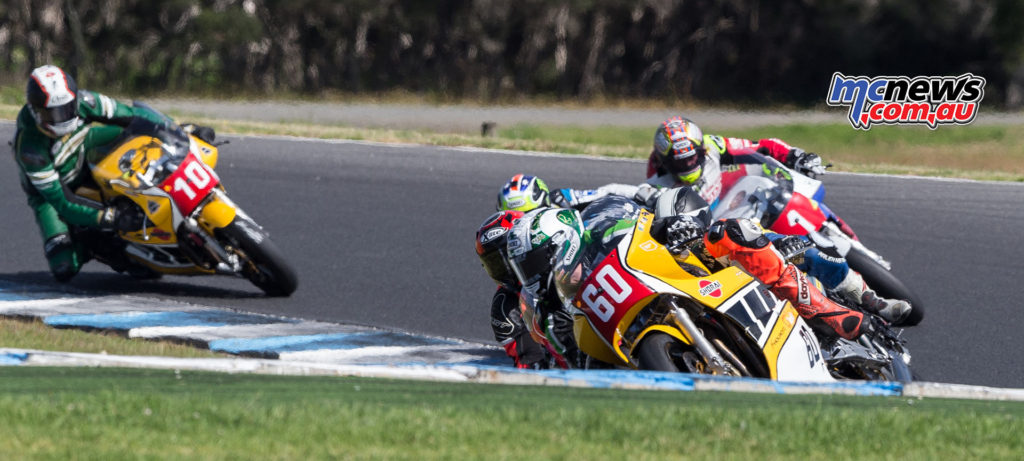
x: 29, y: 305
x: 961, y: 391
x: 240, y: 365
x: 210, y: 333
x: 412, y: 353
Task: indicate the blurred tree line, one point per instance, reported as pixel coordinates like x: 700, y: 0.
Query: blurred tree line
x: 738, y: 51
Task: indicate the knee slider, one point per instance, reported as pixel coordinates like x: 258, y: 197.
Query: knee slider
x: 57, y: 244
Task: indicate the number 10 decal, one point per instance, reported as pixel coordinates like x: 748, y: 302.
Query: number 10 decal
x: 197, y: 175
x: 613, y: 285
x: 190, y: 183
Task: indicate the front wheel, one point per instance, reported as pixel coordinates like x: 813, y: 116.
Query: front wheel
x: 886, y: 284
x: 264, y: 264
x: 661, y: 352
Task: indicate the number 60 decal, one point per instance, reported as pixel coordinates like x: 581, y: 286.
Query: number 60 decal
x: 613, y: 285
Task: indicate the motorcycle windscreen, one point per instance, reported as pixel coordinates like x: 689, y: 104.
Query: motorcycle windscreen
x: 190, y: 183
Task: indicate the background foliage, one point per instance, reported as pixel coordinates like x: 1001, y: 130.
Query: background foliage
x: 736, y: 51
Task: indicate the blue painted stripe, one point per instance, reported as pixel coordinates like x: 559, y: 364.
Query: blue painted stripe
x: 6, y: 292
x: 4, y: 296
x: 339, y: 341
x: 129, y: 320
x: 608, y: 378
x: 881, y: 388
x: 11, y: 358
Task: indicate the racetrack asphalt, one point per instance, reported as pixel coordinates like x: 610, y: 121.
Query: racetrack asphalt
x: 382, y: 235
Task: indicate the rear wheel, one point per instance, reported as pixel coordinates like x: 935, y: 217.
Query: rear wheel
x: 265, y: 265
x: 886, y: 284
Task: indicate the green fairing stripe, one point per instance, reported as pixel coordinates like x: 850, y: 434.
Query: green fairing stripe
x: 620, y: 227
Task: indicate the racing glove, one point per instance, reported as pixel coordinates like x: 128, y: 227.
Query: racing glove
x: 562, y: 198
x: 647, y: 195
x: 124, y: 218
x: 792, y: 248
x: 676, y: 232
x: 807, y: 163
x: 202, y: 132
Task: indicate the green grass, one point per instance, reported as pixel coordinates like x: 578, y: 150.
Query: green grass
x: 83, y: 413
x: 37, y: 335
x: 991, y: 152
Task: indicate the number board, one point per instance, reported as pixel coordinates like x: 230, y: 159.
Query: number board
x: 190, y: 184
x: 608, y: 294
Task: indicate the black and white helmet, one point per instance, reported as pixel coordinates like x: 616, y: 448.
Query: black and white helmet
x: 53, y: 99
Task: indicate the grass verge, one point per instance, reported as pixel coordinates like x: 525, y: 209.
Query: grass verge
x: 35, y: 334
x: 82, y: 413
x: 983, y: 152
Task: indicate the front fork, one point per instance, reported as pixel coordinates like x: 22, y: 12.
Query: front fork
x: 714, y: 360
x: 217, y: 212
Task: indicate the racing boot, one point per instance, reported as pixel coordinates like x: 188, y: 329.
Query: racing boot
x: 740, y: 241
x: 818, y: 310
x: 855, y: 289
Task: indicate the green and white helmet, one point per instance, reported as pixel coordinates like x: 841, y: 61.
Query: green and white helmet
x: 524, y: 193
x: 539, y: 241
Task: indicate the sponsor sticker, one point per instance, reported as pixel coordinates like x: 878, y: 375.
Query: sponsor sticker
x: 901, y: 100
x: 492, y: 234
x: 649, y: 245
x: 712, y: 288
x: 515, y: 202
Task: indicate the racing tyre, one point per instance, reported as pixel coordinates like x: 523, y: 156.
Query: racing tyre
x: 901, y: 371
x: 886, y: 284
x: 266, y: 268
x: 658, y: 352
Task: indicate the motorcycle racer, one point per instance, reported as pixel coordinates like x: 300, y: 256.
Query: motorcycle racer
x: 506, y: 318
x: 741, y: 242
x: 54, y: 144
x: 683, y: 155
x: 548, y: 246
x: 832, y: 270
x: 532, y: 242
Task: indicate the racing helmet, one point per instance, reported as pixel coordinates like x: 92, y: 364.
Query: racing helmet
x: 679, y: 148
x: 491, y: 240
x: 524, y: 193
x: 539, y: 240
x: 681, y: 201
x: 52, y: 97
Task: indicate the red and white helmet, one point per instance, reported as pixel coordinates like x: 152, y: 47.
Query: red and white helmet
x: 53, y: 100
x: 491, y: 239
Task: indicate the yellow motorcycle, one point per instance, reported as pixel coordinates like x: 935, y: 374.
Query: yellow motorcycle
x: 639, y: 306
x: 189, y: 226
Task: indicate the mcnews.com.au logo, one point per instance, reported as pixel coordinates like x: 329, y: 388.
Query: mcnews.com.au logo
x: 931, y: 101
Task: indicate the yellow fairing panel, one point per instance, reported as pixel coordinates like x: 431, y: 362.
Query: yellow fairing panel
x: 590, y: 343
x: 207, y: 153
x: 655, y: 260
x: 773, y: 347
x: 216, y: 214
